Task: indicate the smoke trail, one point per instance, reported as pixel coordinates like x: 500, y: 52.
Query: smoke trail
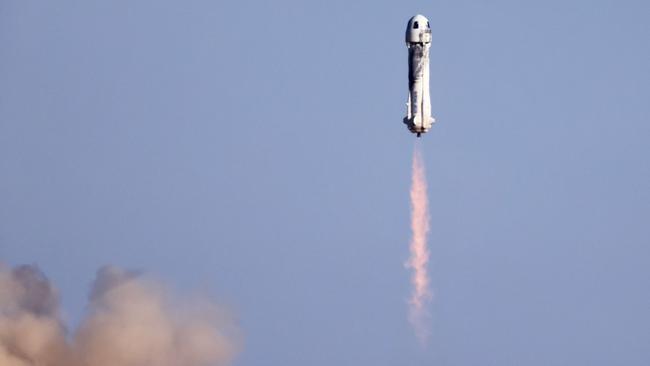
x: 131, y: 321
x: 421, y: 295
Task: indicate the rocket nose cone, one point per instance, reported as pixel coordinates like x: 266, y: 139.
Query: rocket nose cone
x: 419, y: 18
x: 418, y: 30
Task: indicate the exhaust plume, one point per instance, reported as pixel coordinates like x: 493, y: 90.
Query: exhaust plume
x: 420, y: 295
x: 131, y: 321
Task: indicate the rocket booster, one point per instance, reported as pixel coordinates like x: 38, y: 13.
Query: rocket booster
x: 418, y: 108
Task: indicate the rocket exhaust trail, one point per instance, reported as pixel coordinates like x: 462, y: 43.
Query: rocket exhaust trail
x: 419, y: 253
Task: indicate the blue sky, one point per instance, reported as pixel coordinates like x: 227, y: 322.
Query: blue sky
x: 254, y: 150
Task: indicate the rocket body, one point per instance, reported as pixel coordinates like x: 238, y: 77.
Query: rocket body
x: 418, y: 107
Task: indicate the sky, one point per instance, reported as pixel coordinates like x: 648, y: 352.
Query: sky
x: 254, y: 151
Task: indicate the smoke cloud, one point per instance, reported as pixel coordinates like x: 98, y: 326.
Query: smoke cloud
x: 131, y: 321
x: 421, y: 295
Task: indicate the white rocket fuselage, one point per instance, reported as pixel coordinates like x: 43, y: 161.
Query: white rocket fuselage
x: 418, y: 108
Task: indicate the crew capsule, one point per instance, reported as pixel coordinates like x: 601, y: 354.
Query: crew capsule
x: 418, y: 30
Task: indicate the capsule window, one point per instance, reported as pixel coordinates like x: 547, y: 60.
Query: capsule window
x: 428, y: 25
x: 416, y: 25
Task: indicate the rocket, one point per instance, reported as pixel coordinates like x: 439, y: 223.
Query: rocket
x: 418, y: 107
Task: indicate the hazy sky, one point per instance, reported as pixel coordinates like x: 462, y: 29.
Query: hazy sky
x: 254, y: 150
